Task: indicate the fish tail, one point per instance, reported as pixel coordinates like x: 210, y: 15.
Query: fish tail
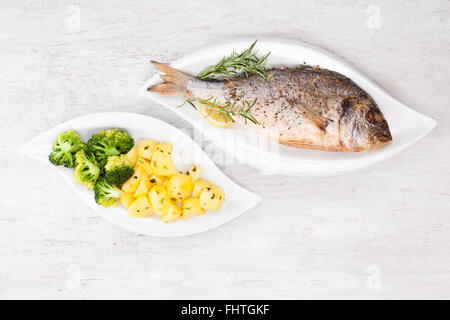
x: 174, y: 81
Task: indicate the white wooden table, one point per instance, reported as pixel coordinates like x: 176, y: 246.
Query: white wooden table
x: 383, y: 232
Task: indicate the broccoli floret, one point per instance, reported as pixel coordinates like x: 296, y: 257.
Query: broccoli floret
x: 87, y: 170
x: 107, y: 143
x: 106, y: 194
x: 118, y: 170
x: 66, y: 145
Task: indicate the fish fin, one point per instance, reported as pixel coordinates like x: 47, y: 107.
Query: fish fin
x: 174, y: 81
x: 319, y: 121
x: 303, y: 144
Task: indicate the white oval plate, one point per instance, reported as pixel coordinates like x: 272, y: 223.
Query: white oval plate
x: 407, y: 126
x: 185, y: 153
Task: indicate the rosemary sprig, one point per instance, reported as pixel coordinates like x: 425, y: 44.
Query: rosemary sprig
x: 190, y: 101
x: 246, y: 62
x: 231, y: 109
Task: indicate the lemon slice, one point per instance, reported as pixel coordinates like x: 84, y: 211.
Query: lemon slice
x: 215, y: 117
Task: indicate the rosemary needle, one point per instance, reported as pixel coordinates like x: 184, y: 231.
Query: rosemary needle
x: 246, y: 62
x: 231, y: 109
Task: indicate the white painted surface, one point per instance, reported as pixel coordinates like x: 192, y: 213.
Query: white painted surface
x: 383, y: 232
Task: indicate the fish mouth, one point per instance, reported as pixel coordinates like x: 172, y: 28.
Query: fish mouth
x: 378, y: 126
x: 380, y: 140
x: 383, y: 137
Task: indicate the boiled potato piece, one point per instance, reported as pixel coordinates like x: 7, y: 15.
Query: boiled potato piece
x: 126, y: 199
x: 144, y: 186
x: 191, y: 208
x: 144, y: 165
x: 162, y: 160
x: 211, y: 198
x: 157, y: 187
x: 132, y: 184
x: 140, y: 208
x: 154, y: 179
x: 132, y: 155
x: 165, y: 147
x: 179, y: 186
x: 195, y: 172
x: 172, y: 213
x: 146, y: 147
x: 159, y: 199
x: 199, y: 186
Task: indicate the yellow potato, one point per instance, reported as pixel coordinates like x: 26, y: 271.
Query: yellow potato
x: 191, y: 208
x: 159, y: 199
x: 132, y: 155
x: 195, y: 172
x: 165, y: 147
x: 144, y: 186
x: 179, y: 186
x: 211, y: 198
x: 162, y: 160
x: 146, y: 147
x: 126, y: 199
x: 144, y: 165
x: 199, y: 186
x: 132, y: 184
x: 157, y: 187
x: 172, y: 213
x: 140, y: 208
x: 154, y: 179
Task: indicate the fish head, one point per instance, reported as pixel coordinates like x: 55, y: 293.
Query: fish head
x: 362, y: 125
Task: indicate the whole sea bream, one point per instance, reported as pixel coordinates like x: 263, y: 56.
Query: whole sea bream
x: 303, y: 107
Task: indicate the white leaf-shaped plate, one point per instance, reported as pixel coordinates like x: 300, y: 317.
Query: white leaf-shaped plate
x: 407, y: 126
x: 186, y: 152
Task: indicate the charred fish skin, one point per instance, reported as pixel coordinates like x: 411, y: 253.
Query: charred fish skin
x: 362, y: 125
x: 304, y: 107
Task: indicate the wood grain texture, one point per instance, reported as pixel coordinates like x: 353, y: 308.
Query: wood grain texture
x: 310, y: 237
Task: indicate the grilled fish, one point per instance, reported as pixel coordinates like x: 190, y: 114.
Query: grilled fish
x: 306, y: 107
